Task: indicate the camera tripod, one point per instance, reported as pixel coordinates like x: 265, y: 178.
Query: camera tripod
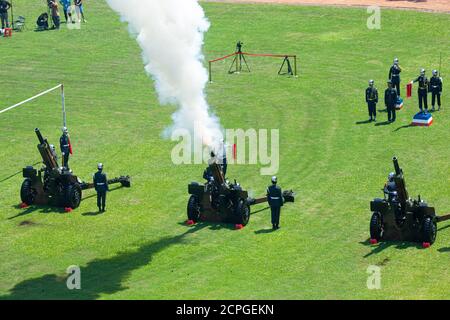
x: 238, y: 59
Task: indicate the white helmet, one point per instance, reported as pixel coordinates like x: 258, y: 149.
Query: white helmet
x: 371, y: 82
x: 100, y: 166
x: 391, y: 176
x: 396, y: 61
x: 435, y: 72
x: 274, y: 179
x: 64, y: 130
x: 422, y: 71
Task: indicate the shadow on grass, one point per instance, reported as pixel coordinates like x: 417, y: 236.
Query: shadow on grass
x: 91, y: 214
x: 443, y: 228
x: 260, y: 210
x: 404, y: 127
x: 98, y: 277
x: 263, y: 231
x: 50, y: 209
x: 384, y: 123
x: 40, y: 209
x: 16, y: 173
x: 363, y: 122
x: 210, y: 225
x: 444, y: 250
x: 387, y: 244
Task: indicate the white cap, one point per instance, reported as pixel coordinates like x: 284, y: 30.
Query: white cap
x: 274, y: 179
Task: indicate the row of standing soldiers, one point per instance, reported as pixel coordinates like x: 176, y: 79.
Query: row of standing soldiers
x: 392, y: 93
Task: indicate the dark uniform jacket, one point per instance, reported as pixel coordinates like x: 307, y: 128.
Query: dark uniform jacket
x: 390, y: 97
x: 372, y: 94
x: 4, y: 6
x: 423, y: 83
x: 275, y: 196
x: 64, y: 144
x: 436, y: 84
x: 207, y: 174
x: 394, y: 72
x: 100, y: 182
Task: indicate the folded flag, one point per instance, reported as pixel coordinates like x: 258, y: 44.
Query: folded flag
x: 70, y: 147
x: 422, y: 119
x: 409, y: 90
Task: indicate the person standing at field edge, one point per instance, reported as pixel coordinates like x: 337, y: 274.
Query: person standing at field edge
x: 66, y: 9
x: 4, y: 7
x: 276, y: 201
x: 55, y: 14
x: 372, y: 100
x: 79, y: 10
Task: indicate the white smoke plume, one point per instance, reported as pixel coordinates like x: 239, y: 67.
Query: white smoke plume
x: 170, y: 34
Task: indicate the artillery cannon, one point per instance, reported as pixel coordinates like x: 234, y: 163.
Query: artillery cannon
x: 221, y: 201
x: 53, y: 184
x: 400, y: 218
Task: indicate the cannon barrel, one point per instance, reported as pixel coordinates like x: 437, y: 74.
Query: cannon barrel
x: 39, y: 135
x: 398, y: 171
x: 125, y: 181
x: 48, y: 158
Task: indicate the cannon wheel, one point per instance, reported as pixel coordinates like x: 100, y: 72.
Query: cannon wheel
x: 242, y: 213
x: 429, y: 230
x: 376, y: 226
x: 72, y: 196
x: 27, y: 192
x: 193, y: 209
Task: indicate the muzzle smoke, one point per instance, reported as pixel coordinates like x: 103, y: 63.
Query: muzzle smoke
x: 170, y: 34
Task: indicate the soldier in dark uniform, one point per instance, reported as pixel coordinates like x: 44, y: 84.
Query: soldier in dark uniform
x: 390, y: 189
x: 65, y: 147
x: 422, y: 90
x: 372, y: 100
x: 436, y: 90
x: 394, y: 75
x: 276, y: 201
x: 224, y: 164
x: 390, y: 100
x: 101, y: 186
x: 207, y: 174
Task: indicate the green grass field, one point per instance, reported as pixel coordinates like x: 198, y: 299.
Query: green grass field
x: 140, y: 249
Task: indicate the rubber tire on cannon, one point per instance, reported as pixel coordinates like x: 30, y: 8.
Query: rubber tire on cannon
x: 72, y: 196
x: 429, y: 230
x: 27, y: 192
x: 193, y: 209
x: 241, y: 213
x: 376, y: 226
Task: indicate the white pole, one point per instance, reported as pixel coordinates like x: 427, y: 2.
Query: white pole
x: 30, y: 99
x: 63, y: 105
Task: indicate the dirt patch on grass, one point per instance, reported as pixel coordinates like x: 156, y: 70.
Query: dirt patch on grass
x: 423, y: 5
